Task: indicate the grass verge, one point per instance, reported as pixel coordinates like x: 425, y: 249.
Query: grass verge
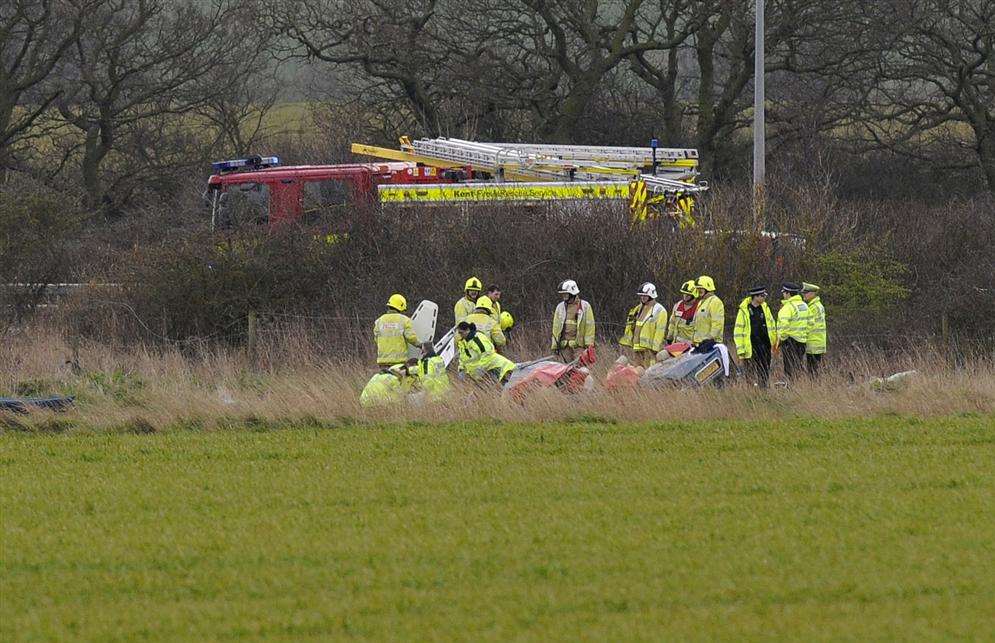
x: 816, y: 529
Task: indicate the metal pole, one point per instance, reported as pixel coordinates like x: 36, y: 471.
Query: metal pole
x: 759, y: 126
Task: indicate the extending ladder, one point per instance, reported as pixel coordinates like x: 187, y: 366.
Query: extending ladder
x: 558, y: 162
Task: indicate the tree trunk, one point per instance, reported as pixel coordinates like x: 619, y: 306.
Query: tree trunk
x: 986, y: 154
x: 95, y: 149
x: 564, y: 129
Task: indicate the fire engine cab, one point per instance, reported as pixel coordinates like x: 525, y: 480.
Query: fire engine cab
x: 260, y: 190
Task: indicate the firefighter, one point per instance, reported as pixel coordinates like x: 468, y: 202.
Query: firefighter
x: 466, y: 304
x: 792, y: 329
x: 573, y: 322
x: 755, y: 334
x: 383, y: 388
x: 815, y: 345
x: 710, y: 314
x: 681, y: 325
x: 647, y: 331
x: 430, y: 373
x: 483, y: 318
x: 478, y: 357
x: 493, y: 293
x: 393, y: 332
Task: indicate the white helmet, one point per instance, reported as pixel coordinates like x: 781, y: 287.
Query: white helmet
x: 647, y: 289
x: 569, y: 287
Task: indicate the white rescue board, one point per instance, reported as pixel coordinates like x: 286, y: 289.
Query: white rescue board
x: 423, y: 322
x: 446, y: 346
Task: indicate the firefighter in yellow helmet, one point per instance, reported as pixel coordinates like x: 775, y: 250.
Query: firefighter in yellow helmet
x: 646, y: 333
x: 393, y: 332
x: 385, y: 387
x: 483, y: 318
x: 573, y: 322
x: 466, y: 304
x: 681, y: 325
x: 815, y: 344
x: 710, y: 316
x: 792, y: 329
x: 478, y: 357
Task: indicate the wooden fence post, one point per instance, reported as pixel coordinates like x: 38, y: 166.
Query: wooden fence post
x: 251, y: 336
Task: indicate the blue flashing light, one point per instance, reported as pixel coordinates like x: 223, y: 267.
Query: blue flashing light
x: 251, y: 163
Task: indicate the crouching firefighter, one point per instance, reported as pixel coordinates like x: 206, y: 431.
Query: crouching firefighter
x: 429, y: 373
x: 386, y: 387
x: 478, y: 357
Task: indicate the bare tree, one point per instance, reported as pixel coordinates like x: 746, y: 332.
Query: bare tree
x: 34, y: 37
x: 935, y: 81
x: 389, y: 42
x: 137, y: 69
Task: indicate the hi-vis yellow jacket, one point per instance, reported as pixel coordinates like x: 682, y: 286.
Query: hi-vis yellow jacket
x: 709, y: 319
x: 816, y: 343
x: 393, y: 332
x: 792, y: 320
x: 487, y: 326
x: 679, y: 330
x: 383, y: 388
x: 430, y: 375
x: 463, y: 308
x: 478, y: 357
x: 652, y: 330
x: 742, y: 331
x: 585, y: 326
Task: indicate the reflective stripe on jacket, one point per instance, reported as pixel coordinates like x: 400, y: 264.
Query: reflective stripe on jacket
x: 743, y: 330
x: 585, y: 326
x: 709, y: 320
x: 630, y: 324
x: 816, y: 343
x: 478, y: 357
x: 393, y: 332
x: 792, y: 320
x: 652, y: 329
x: 679, y: 329
x: 432, y: 377
x: 487, y: 326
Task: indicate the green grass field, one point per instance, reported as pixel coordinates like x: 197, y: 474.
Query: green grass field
x: 861, y: 529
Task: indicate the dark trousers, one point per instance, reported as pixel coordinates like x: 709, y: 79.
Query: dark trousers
x: 759, y: 366
x: 794, y: 358
x: 812, y: 363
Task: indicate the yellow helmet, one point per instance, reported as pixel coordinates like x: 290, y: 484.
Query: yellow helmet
x: 473, y: 284
x: 705, y: 283
x: 506, y: 320
x: 485, y: 302
x: 398, y: 302
x: 688, y: 287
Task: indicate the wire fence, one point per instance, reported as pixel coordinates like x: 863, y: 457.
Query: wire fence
x: 351, y: 335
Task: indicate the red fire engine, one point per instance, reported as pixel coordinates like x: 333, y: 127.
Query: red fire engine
x: 275, y: 194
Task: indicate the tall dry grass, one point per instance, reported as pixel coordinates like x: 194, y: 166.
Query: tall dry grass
x: 289, y: 382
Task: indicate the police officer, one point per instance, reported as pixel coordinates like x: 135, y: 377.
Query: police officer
x: 815, y: 345
x: 792, y: 329
x: 755, y: 334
